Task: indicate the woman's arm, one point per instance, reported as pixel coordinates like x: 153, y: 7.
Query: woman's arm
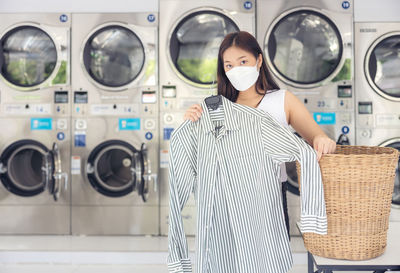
x: 300, y: 119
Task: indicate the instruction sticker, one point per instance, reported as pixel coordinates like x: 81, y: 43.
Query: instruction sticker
x: 75, y: 164
x: 164, y: 158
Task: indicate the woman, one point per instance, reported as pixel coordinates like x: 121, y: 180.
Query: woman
x: 243, y: 77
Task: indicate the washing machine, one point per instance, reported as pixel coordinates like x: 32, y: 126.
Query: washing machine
x: 114, y: 161
x: 190, y: 35
x: 34, y: 117
x: 308, y: 47
x: 377, y: 55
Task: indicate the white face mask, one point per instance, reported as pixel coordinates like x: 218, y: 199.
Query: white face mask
x: 243, y: 77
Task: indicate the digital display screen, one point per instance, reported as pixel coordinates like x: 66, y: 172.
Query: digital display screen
x: 169, y: 91
x: 345, y: 91
x: 81, y: 97
x: 365, y: 107
x: 149, y: 97
x: 61, y: 97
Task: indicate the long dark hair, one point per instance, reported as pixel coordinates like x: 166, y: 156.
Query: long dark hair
x: 247, y: 42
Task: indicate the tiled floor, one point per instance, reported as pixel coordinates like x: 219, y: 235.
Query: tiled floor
x: 49, y: 268
x: 43, y: 268
x: 102, y: 243
x: 100, y: 254
x: 78, y: 254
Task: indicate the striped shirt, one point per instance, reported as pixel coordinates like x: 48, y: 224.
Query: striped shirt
x: 273, y: 102
x: 230, y: 159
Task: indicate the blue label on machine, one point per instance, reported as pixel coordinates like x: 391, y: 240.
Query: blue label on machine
x: 167, y: 133
x: 325, y: 118
x: 129, y: 124
x: 80, y: 140
x: 41, y: 123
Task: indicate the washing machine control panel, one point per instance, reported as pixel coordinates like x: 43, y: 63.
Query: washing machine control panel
x: 61, y: 106
x: 342, y: 102
x: 28, y: 109
x: 365, y: 117
x: 333, y: 110
x: 81, y: 99
x: 116, y: 105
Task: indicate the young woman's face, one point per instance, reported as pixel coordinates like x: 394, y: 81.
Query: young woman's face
x: 235, y: 56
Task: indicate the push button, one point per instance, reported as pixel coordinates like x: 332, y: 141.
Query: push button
x: 80, y: 124
x: 149, y: 124
x: 168, y: 118
x: 62, y: 124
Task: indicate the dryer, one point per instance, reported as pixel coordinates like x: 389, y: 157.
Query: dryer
x: 308, y: 47
x: 34, y: 117
x: 190, y: 36
x: 114, y: 123
x: 377, y: 55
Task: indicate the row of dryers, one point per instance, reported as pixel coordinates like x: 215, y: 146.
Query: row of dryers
x: 132, y: 78
x: 79, y: 129
x: 346, y: 73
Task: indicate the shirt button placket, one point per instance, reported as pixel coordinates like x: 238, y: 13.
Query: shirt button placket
x: 216, y: 165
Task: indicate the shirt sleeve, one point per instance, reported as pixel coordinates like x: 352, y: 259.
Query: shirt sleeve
x: 181, y: 181
x: 283, y: 146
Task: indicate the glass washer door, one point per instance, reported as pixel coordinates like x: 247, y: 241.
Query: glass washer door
x: 113, y: 56
x: 194, y: 45
x: 383, y: 66
x: 113, y: 168
x: 304, y: 48
x: 28, y: 56
x: 24, y: 168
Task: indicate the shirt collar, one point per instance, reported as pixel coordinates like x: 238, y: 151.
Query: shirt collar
x: 230, y: 120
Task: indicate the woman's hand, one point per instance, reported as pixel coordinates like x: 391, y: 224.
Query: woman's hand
x: 323, y: 145
x: 193, y: 113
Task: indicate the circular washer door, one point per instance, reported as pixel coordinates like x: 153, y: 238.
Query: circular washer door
x: 24, y: 168
x: 112, y: 168
x: 194, y: 45
x: 28, y: 56
x: 396, y: 191
x: 304, y: 48
x: 113, y: 56
x: 382, y: 66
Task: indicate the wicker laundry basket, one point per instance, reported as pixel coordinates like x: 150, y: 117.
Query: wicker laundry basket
x: 358, y: 184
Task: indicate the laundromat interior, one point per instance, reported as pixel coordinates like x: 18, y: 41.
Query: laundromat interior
x: 92, y: 91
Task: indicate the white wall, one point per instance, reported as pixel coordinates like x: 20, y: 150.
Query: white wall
x: 79, y: 5
x: 377, y: 10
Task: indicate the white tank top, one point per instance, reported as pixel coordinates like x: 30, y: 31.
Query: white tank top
x: 274, y: 104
